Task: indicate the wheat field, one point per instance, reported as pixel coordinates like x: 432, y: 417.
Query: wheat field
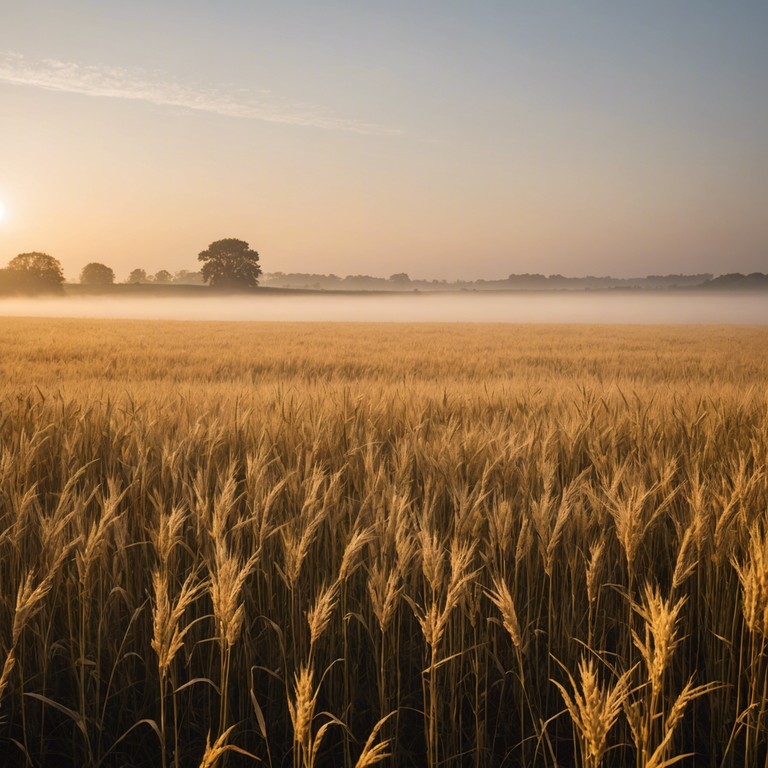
x: 429, y: 545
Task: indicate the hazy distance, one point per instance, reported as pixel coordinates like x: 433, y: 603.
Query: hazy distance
x: 645, y: 307
x: 447, y: 140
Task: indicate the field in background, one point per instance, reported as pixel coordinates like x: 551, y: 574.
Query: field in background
x: 460, y: 545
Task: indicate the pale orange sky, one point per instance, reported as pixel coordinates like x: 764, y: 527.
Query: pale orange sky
x: 439, y: 139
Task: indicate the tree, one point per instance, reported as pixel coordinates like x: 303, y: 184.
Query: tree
x: 97, y: 274
x: 37, y: 269
x: 138, y: 276
x: 230, y: 263
x: 163, y: 276
x: 186, y: 277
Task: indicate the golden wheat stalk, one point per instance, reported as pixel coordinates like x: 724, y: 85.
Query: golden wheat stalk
x: 502, y: 598
x: 594, y: 710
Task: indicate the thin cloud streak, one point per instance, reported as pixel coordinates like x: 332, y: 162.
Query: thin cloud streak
x: 118, y: 83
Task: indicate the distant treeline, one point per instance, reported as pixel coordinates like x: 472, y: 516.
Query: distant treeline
x: 164, y: 277
x: 39, y: 273
x: 514, y: 282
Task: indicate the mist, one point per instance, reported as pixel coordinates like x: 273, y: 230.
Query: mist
x: 576, y: 307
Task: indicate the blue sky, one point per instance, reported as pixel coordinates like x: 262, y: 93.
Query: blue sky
x: 449, y: 139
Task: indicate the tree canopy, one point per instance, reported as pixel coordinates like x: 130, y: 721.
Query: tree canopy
x: 230, y: 263
x: 40, y: 267
x: 97, y: 274
x: 163, y: 276
x: 137, y: 276
x: 31, y: 273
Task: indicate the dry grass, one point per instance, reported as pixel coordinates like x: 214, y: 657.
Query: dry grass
x: 348, y: 545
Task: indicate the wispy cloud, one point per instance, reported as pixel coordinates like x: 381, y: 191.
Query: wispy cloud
x: 118, y: 83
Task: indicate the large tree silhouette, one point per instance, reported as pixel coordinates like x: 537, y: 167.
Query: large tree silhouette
x: 230, y: 263
x: 97, y: 274
x: 32, y: 273
x: 40, y: 268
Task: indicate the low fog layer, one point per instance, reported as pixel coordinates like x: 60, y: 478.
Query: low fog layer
x: 584, y: 307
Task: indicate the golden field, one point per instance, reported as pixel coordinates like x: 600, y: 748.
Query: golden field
x: 429, y: 545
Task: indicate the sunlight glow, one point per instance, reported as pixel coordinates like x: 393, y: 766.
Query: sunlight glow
x: 2, y: 210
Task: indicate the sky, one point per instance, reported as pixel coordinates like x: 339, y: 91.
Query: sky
x: 445, y: 139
